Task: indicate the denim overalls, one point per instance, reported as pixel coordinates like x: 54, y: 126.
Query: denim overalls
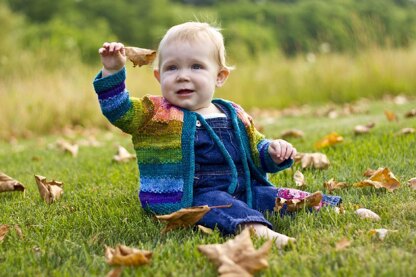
x: 213, y: 176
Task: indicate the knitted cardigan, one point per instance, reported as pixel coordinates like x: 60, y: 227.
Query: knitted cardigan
x: 163, y: 139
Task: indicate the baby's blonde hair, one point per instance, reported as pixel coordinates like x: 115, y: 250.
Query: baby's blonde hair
x: 194, y: 32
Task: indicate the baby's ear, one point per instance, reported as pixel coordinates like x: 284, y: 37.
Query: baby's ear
x: 222, y: 76
x: 156, y: 73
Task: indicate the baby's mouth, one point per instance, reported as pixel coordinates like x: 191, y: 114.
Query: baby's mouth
x: 184, y: 91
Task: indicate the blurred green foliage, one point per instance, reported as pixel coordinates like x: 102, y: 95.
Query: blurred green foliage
x: 78, y: 27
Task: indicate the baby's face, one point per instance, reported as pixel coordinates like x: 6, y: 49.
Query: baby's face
x: 188, y: 74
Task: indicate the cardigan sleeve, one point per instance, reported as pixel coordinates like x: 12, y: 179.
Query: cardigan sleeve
x: 125, y: 112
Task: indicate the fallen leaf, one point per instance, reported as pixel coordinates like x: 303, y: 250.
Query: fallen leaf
x: 405, y: 131
x: 342, y: 244
x: 332, y: 185
x: 381, y: 178
x: 186, y: 217
x: 115, y: 272
x: 363, y: 129
x: 4, y: 229
x: 369, y: 172
x: 293, y: 205
x: 123, y: 155
x: 329, y: 140
x: 314, y: 160
x: 391, y: 116
x: 299, y: 179
x: 140, y: 56
x: 411, y: 113
x: 205, y: 230
x: 292, y: 133
x: 9, y: 184
x: 50, y: 191
x: 68, y: 147
x: 380, y: 233
x: 366, y: 213
x: 126, y: 256
x: 237, y: 257
x: 412, y: 183
x: 18, y: 231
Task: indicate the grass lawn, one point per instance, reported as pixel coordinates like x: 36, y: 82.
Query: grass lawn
x: 100, y: 206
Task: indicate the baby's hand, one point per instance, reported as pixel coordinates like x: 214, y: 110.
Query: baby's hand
x: 281, y: 150
x: 113, y: 57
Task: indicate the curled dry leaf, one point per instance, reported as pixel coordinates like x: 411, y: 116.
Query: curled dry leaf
x: 123, y: 155
x: 366, y: 213
x: 329, y: 140
x: 342, y: 244
x: 369, y: 172
x: 292, y: 133
x: 299, y: 179
x: 186, y: 217
x: 406, y: 131
x: 9, y: 184
x: 314, y: 160
x: 411, y: 113
x: 205, y: 230
x: 126, y: 256
x: 391, y: 116
x: 4, y: 229
x: 363, y: 129
x: 140, y: 56
x: 50, y: 191
x: 381, y: 178
x: 412, y: 183
x: 293, y: 205
x: 68, y: 147
x: 381, y: 233
x: 238, y: 257
x: 332, y: 185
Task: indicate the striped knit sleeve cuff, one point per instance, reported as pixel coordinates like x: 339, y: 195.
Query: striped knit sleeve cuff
x: 267, y: 162
x: 104, y: 85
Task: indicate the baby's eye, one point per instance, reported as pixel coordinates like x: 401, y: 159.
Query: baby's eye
x: 171, y: 67
x: 197, y: 66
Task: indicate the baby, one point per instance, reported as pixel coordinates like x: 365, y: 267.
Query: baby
x: 192, y: 149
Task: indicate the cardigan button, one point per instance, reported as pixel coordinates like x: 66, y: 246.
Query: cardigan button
x: 198, y: 123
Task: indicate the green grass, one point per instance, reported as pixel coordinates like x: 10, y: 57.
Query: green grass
x: 100, y: 207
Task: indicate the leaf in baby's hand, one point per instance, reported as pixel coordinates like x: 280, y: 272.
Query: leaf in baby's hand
x: 9, y: 184
x: 299, y: 179
x: 292, y: 133
x: 314, y: 160
x: 329, y: 140
x: 186, y: 217
x: 50, y: 191
x: 332, y: 185
x: 363, y: 129
x: 293, y: 205
x: 342, y: 244
x: 126, y: 256
x: 391, y: 116
x: 4, y: 229
x: 123, y: 155
x: 381, y: 178
x: 412, y: 183
x: 140, y: 56
x: 367, y: 214
x: 238, y: 257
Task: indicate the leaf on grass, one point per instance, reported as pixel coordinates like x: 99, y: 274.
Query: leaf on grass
x: 292, y: 133
x: 4, y: 229
x: 186, y: 217
x: 332, y: 185
x: 115, y: 272
x: 369, y: 172
x: 140, y: 56
x: 412, y: 183
x: 380, y: 233
x: 329, y: 140
x: 299, y: 179
x: 405, y: 131
x: 363, y: 129
x: 411, y: 113
x: 314, y: 160
x: 123, y: 155
x: 238, y: 257
x: 50, y: 191
x: 205, y: 230
x: 391, y: 116
x: 293, y: 205
x: 381, y: 178
x: 342, y: 244
x: 126, y: 256
x: 367, y: 214
x: 68, y: 147
x: 18, y: 231
x: 9, y: 184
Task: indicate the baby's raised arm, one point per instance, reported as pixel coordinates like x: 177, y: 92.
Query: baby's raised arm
x: 113, y: 57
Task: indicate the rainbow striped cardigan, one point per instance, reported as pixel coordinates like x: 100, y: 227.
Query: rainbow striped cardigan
x: 163, y: 139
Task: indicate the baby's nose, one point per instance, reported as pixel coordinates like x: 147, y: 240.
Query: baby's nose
x: 182, y: 76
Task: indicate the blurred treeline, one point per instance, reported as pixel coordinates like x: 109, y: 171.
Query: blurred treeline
x: 78, y: 27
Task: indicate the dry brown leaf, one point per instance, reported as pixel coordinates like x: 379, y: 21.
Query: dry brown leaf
x: 4, y: 229
x: 68, y: 147
x: 363, y: 129
x: 9, y: 184
x: 123, y: 155
x: 314, y: 160
x: 367, y: 214
x: 329, y: 140
x: 342, y: 244
x: 411, y: 113
x: 205, y: 230
x: 391, y: 116
x: 293, y: 205
x: 238, y: 255
x: 292, y: 133
x: 406, y: 131
x: 50, y: 191
x: 126, y: 256
x: 140, y: 56
x: 332, y: 185
x: 369, y: 172
x: 299, y: 179
x: 186, y: 217
x: 412, y: 183
x: 381, y: 178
